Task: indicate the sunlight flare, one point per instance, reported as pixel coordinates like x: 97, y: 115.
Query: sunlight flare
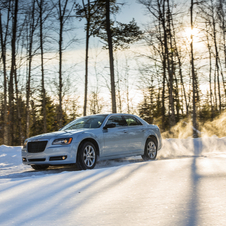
x: 189, y: 32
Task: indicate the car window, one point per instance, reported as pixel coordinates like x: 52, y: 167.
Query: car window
x: 118, y: 120
x: 94, y: 121
x: 132, y: 121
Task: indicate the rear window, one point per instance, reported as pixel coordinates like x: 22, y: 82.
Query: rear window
x: 118, y: 120
x: 132, y: 121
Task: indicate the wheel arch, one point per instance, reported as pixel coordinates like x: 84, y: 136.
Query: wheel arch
x: 90, y: 140
x: 154, y: 138
x: 146, y: 156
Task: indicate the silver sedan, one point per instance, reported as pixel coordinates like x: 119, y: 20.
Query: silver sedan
x: 91, y: 138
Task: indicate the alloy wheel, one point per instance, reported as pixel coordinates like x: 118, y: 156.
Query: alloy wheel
x: 151, y: 149
x: 89, y: 156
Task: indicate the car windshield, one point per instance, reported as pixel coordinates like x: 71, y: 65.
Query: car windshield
x: 94, y: 121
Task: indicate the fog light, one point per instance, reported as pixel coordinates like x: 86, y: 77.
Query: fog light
x: 24, y: 160
x: 55, y: 158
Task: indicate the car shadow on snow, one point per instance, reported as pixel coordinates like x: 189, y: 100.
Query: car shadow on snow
x: 29, y: 172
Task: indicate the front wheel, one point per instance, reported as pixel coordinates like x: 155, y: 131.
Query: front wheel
x: 39, y: 167
x: 87, y: 156
x: 150, y: 151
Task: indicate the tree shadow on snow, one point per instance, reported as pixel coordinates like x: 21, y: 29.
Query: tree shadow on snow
x: 59, y: 190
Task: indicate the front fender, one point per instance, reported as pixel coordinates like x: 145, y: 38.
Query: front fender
x: 89, y: 135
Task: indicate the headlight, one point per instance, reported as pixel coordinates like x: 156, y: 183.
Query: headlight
x: 62, y: 141
x: 25, y: 144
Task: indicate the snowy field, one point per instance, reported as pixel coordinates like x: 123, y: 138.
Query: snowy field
x: 184, y: 186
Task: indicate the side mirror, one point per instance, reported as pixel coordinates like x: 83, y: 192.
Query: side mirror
x: 110, y: 125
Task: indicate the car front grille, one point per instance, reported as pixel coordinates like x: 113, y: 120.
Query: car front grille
x: 38, y: 146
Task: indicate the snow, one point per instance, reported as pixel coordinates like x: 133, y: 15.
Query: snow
x: 184, y: 186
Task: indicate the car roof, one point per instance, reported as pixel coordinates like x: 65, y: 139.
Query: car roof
x: 111, y: 114
x: 120, y: 114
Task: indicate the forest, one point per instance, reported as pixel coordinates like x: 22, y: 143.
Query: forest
x: 62, y: 59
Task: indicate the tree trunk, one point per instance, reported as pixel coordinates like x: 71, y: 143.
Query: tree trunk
x: 3, y: 45
x: 30, y: 56
x: 111, y: 59
x: 60, y: 69
x: 215, y: 91
x: 194, y: 122
x: 216, y: 55
x: 210, y: 74
x: 170, y: 66
x: 61, y: 19
x: 18, y: 108
x: 161, y: 23
x: 119, y: 96
x: 163, y: 92
x: 180, y: 70
x: 87, y: 56
x: 42, y: 67
x: 12, y: 71
x: 222, y: 18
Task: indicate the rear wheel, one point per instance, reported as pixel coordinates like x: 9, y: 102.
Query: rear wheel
x: 87, y: 156
x: 39, y: 167
x: 150, y: 151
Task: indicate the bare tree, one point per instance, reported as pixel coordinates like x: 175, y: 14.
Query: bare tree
x: 31, y: 29
x: 63, y: 14
x: 111, y: 59
x: 166, y: 47
x: 87, y: 15
x: 12, y: 71
x: 3, y: 56
x: 44, y: 13
x: 194, y: 79
x: 87, y: 10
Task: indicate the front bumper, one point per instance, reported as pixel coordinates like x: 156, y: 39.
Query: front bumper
x: 52, y: 155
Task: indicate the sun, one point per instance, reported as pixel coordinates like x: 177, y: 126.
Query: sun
x: 189, y: 32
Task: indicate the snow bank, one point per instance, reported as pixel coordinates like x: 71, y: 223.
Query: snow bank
x: 10, y: 156
x: 11, y: 162
x: 174, y: 148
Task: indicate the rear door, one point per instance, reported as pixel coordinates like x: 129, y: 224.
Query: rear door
x: 136, y: 131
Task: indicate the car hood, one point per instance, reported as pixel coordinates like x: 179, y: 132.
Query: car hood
x: 58, y: 134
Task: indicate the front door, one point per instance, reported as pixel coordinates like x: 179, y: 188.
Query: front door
x: 116, y: 139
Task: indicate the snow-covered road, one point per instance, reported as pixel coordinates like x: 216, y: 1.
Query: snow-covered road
x: 184, y: 186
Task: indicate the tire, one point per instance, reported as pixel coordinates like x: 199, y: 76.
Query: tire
x: 150, y: 151
x: 39, y: 167
x: 87, y: 156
